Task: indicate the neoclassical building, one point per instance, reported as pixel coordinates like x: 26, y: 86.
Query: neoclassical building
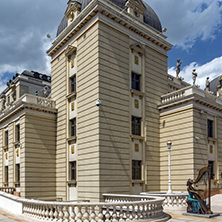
x: 110, y: 112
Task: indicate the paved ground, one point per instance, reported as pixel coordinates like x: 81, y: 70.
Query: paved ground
x: 176, y: 214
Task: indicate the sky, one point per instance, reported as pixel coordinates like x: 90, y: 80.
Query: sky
x: 194, y: 27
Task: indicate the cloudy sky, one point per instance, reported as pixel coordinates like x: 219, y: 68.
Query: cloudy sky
x: 194, y: 27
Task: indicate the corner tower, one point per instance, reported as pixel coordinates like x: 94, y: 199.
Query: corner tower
x: 108, y: 53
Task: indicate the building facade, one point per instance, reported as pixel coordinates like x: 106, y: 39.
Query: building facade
x: 111, y: 110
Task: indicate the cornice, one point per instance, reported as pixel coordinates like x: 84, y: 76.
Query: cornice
x: 115, y: 14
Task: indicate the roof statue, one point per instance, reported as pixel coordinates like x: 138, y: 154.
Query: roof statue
x: 219, y: 87
x: 179, y: 62
x: 207, y: 85
x: 194, y: 76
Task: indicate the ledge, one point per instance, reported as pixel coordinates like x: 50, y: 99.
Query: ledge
x: 136, y: 92
x: 71, y: 138
x: 71, y: 95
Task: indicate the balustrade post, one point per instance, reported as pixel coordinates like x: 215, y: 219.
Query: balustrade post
x: 121, y: 215
x: 93, y: 215
x: 51, y: 213
x: 127, y: 214
x: 86, y: 215
x: 79, y: 214
x: 61, y: 214
x: 47, y: 212
x: 56, y: 214
x: 72, y: 214
x: 100, y: 214
x: 107, y: 215
x: 66, y: 214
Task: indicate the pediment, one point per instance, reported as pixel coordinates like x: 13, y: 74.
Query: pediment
x: 138, y: 48
x: 69, y: 50
x: 137, y: 3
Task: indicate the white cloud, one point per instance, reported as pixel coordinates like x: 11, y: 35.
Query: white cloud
x: 212, y: 69
x: 189, y: 20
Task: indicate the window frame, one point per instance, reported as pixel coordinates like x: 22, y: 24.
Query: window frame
x: 6, y: 137
x: 136, y: 169
x: 72, y: 80
x: 17, y: 132
x: 134, y: 126
x: 72, y: 171
x: 135, y: 83
x: 17, y: 172
x: 6, y: 174
x: 72, y: 123
x: 210, y: 128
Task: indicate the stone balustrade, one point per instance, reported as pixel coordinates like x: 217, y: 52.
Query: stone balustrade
x: 114, y: 209
x: 173, y: 96
x: 171, y: 200
x: 8, y: 189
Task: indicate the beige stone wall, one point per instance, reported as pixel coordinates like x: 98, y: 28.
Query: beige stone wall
x: 114, y: 113
x: 58, y: 75
x: 155, y: 86
x: 88, y: 115
x: 1, y: 156
x: 10, y: 155
x: 38, y: 176
x: 201, y: 145
x: 177, y: 127
x: 219, y: 149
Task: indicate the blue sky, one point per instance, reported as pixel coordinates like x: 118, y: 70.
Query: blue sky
x: 194, y: 27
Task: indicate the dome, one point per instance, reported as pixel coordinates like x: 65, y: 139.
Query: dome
x: 150, y: 17
x: 213, y: 85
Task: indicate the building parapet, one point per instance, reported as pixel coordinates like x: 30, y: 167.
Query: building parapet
x: 30, y: 101
x: 115, y: 208
x: 185, y: 93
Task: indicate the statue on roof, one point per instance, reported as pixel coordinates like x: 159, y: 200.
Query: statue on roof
x: 179, y: 62
x: 219, y: 87
x: 207, y: 85
x: 194, y: 76
x: 3, y: 97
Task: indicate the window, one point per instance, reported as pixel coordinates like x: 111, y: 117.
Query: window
x: 73, y: 127
x: 136, y: 169
x: 211, y: 164
x: 17, y: 132
x: 73, y: 84
x: 6, y: 174
x: 72, y: 170
x: 135, y: 84
x: 136, y: 126
x: 17, y: 173
x: 6, y: 138
x: 210, y: 128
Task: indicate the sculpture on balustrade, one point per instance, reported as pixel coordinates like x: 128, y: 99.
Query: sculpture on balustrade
x: 179, y: 62
x: 3, y: 97
x: 219, y: 87
x: 13, y: 91
x: 198, y: 200
x: 194, y: 76
x: 46, y: 91
x: 207, y: 85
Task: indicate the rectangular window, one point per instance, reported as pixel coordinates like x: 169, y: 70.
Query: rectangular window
x: 136, y: 169
x: 17, y: 132
x: 6, y: 174
x: 6, y: 138
x: 72, y: 170
x: 210, y: 128
x: 135, y: 81
x: 136, y: 126
x: 73, y: 84
x: 17, y: 173
x: 73, y: 127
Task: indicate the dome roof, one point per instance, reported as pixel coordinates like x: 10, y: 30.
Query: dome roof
x: 149, y: 17
x: 213, y: 85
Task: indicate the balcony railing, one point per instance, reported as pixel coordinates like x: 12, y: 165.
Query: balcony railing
x: 115, y: 208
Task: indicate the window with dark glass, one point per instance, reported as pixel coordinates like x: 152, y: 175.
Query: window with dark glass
x: 135, y: 84
x: 73, y: 84
x: 136, y: 169
x: 210, y: 124
x: 17, y: 172
x: 73, y: 127
x: 6, y: 174
x: 136, y: 126
x: 17, y: 132
x: 6, y: 138
x: 72, y: 170
x: 211, y: 165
